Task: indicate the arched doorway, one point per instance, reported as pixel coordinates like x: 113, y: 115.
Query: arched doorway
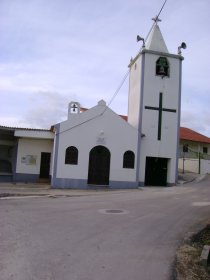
x: 99, y: 166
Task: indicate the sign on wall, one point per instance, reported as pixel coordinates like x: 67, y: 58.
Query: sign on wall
x: 29, y: 160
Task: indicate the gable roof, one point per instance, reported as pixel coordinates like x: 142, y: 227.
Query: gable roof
x: 125, y: 118
x: 191, y: 135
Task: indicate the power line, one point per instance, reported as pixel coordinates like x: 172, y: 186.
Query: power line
x: 118, y: 89
x: 79, y: 124
x: 111, y: 100
x: 161, y: 8
x: 121, y: 83
x: 155, y: 19
x: 126, y: 75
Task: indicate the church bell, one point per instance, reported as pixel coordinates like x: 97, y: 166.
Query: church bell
x: 162, y: 70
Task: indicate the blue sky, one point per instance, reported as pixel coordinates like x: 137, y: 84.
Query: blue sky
x: 56, y: 51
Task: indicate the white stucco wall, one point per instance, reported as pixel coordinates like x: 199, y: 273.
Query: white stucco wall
x: 34, y: 133
x: 205, y: 166
x: 134, y: 102
x: 152, y: 86
x: 192, y: 165
x: 169, y: 86
x: 32, y: 147
x: 194, y: 147
x: 119, y: 137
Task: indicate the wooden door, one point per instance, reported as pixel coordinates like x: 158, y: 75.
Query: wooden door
x: 99, y: 166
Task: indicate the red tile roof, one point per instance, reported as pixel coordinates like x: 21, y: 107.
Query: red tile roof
x: 124, y: 117
x: 191, y: 135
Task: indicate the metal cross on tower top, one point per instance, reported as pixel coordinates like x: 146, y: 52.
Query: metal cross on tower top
x: 156, y: 19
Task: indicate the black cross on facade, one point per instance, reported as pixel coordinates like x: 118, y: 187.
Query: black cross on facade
x: 160, y: 109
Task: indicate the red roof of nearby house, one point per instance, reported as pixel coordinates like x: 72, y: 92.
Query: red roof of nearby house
x: 191, y: 135
x: 124, y: 117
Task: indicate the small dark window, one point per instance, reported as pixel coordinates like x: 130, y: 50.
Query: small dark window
x: 128, y: 159
x: 185, y: 148
x: 162, y: 67
x: 205, y: 150
x: 71, y: 155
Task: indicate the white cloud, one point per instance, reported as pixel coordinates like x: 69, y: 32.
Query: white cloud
x: 80, y: 49
x: 200, y: 124
x: 48, y: 108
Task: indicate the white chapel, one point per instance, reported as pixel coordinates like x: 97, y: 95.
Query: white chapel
x: 97, y: 147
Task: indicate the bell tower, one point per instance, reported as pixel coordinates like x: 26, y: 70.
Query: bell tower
x: 154, y: 109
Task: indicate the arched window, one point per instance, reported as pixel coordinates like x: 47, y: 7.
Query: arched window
x: 162, y: 67
x: 128, y: 159
x: 71, y: 155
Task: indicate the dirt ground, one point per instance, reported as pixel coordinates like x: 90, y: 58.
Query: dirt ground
x: 188, y: 265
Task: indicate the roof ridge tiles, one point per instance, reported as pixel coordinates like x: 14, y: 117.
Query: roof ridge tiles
x: 24, y: 128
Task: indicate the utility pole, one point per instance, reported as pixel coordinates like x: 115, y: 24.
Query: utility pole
x: 199, y: 162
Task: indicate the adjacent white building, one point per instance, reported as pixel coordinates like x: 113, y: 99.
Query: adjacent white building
x: 194, y: 152
x: 98, y: 147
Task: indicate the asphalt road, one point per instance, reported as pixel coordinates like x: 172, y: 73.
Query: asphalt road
x: 76, y: 238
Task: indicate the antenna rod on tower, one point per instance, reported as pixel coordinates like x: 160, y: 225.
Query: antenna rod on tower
x: 156, y: 19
